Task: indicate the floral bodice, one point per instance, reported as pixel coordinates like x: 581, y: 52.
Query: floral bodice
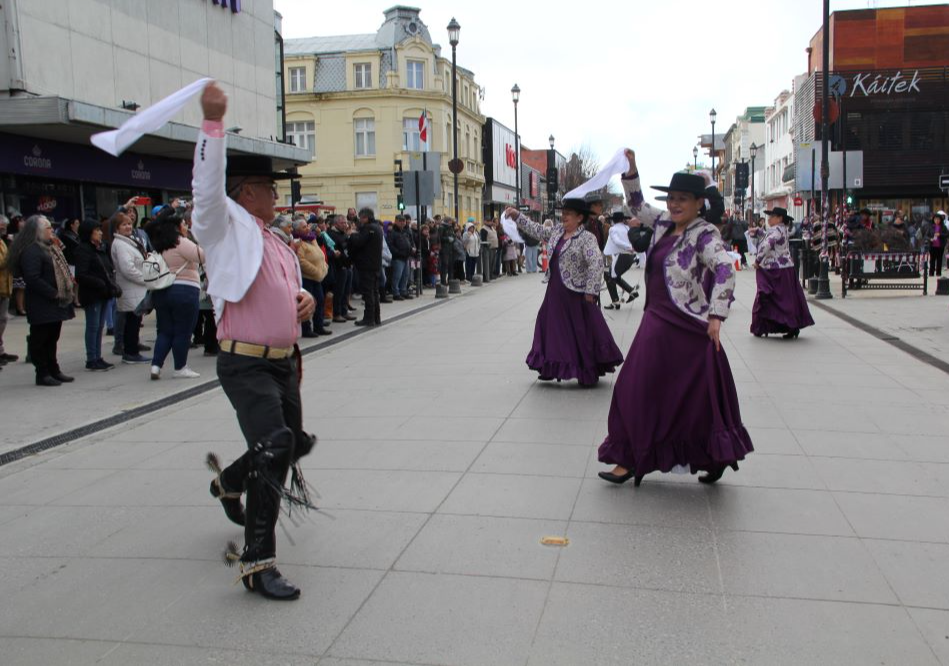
x: 698, y: 272
x: 579, y: 257
x: 774, y: 251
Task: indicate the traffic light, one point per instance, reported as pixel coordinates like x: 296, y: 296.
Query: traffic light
x: 296, y: 192
x: 401, y: 202
x: 849, y: 199
x: 398, y: 175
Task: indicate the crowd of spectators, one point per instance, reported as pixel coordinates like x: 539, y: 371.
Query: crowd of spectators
x: 49, y: 270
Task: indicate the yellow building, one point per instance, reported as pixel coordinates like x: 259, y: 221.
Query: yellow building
x: 355, y: 101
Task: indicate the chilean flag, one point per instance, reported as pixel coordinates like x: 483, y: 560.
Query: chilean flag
x: 423, y: 128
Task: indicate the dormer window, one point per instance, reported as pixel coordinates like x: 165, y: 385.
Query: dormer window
x: 415, y: 74
x: 363, y: 75
x: 297, y: 79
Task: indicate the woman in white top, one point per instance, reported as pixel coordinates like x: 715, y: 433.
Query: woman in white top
x: 128, y: 253
x: 620, y: 250
x: 176, y: 306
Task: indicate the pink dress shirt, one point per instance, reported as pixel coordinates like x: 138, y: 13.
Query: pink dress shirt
x: 267, y: 315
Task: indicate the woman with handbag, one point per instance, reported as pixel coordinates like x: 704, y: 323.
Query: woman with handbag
x: 128, y: 253
x: 313, y: 267
x: 176, y: 306
x: 97, y: 287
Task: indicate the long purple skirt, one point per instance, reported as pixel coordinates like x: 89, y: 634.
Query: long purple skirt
x: 674, y: 403
x: 571, y: 337
x: 780, y: 305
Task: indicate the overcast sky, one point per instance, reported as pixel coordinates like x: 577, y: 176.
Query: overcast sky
x: 608, y: 74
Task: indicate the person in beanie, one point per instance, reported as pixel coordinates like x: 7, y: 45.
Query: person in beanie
x: 780, y: 304
x: 571, y: 337
x: 254, y: 279
x: 675, y: 406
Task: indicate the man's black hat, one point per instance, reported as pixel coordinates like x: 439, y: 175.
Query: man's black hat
x: 684, y: 182
x: 577, y: 205
x: 620, y: 216
x: 256, y: 165
x: 780, y: 212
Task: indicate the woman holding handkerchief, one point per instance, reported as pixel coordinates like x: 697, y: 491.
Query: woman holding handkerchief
x: 571, y: 338
x: 675, y: 407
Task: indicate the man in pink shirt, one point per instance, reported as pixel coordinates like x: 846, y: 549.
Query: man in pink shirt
x: 255, y: 283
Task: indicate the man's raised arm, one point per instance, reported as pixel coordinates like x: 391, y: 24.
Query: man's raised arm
x: 210, y: 163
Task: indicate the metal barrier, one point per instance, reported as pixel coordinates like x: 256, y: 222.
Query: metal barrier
x: 884, y: 270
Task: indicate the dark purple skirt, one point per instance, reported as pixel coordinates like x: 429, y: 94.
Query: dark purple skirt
x: 571, y: 337
x: 675, y: 401
x: 780, y: 305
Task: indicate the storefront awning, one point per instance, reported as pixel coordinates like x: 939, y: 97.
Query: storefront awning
x: 69, y: 121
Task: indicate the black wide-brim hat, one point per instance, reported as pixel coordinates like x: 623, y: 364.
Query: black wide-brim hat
x: 577, y: 205
x: 780, y: 212
x: 256, y: 165
x: 620, y: 216
x: 684, y: 182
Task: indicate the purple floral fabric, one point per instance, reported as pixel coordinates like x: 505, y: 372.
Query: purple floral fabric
x: 581, y: 264
x: 774, y: 251
x: 699, y: 274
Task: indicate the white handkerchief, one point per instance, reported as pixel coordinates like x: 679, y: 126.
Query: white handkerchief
x: 618, y: 165
x: 148, y: 120
x: 510, y: 228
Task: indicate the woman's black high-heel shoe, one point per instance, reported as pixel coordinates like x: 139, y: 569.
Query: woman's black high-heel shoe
x: 792, y: 335
x: 716, y: 474
x: 619, y: 479
x: 633, y: 295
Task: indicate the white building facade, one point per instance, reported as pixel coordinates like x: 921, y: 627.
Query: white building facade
x: 70, y: 69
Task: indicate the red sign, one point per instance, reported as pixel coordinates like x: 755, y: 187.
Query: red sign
x: 798, y: 201
x: 833, y: 113
x: 510, y: 156
x: 46, y: 204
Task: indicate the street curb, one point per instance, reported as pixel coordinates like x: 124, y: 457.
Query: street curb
x: 888, y: 338
x: 151, y: 407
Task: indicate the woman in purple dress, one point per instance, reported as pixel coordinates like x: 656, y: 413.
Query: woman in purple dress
x: 780, y: 305
x: 571, y: 338
x: 675, y: 407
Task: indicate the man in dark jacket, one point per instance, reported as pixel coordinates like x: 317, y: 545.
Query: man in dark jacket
x: 341, y: 264
x: 365, y: 247
x: 401, y: 246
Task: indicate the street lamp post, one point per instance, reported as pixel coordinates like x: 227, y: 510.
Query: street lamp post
x: 754, y: 152
x: 823, y: 281
x: 453, y: 31
x: 551, y: 179
x: 516, y: 96
x: 695, y: 158
x: 712, y: 115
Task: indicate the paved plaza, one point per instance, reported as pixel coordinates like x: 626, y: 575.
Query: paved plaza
x: 443, y: 463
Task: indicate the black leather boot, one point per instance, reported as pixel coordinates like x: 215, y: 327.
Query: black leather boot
x: 270, y: 460
x: 230, y: 499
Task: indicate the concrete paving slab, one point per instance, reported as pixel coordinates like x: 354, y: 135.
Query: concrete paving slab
x: 737, y: 508
x: 916, y: 571
x: 532, y: 459
x: 659, y: 504
x: 373, y: 490
x: 625, y: 626
x: 545, y: 431
x: 421, y: 456
x: 31, y: 486
x: 794, y: 631
x: 18, y: 651
x: 932, y: 624
x: 896, y: 517
x: 513, y: 496
x: 483, y: 546
x: 175, y: 655
x: 215, y: 614
x: 640, y: 556
x: 441, y: 619
x: 884, y: 477
x: 774, y: 440
x: 801, y: 567
x: 865, y: 445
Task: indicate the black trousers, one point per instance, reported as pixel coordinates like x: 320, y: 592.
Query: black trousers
x: 623, y: 263
x: 265, y: 393
x: 131, y: 329
x: 369, y: 288
x: 44, y: 339
x: 935, y: 259
x: 205, y: 331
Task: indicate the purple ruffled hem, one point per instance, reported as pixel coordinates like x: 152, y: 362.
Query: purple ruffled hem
x: 561, y: 370
x: 721, y: 448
